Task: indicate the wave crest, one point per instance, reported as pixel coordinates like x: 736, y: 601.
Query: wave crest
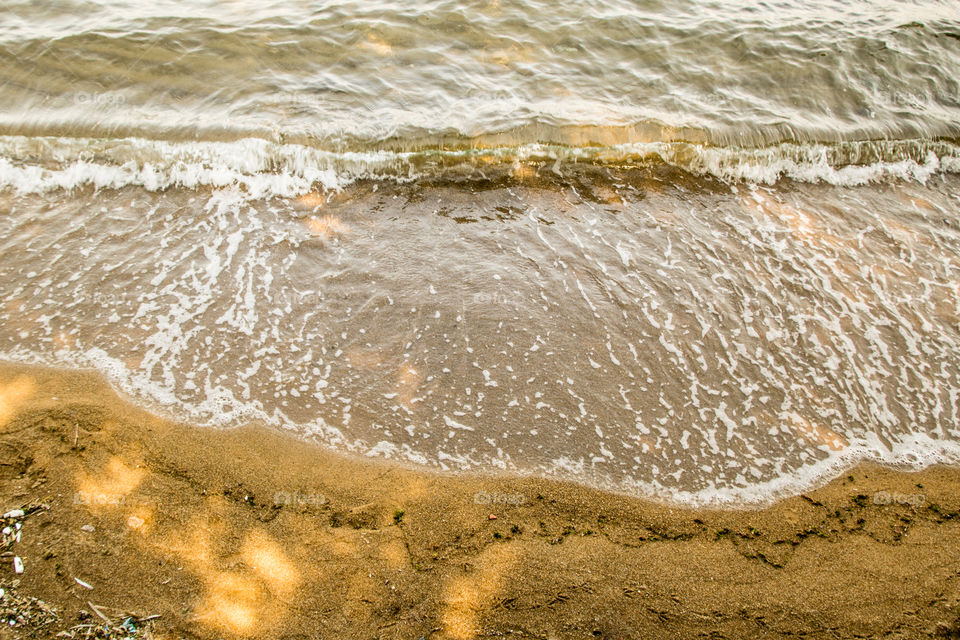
x: 261, y: 168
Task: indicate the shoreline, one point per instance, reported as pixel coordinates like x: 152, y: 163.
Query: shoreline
x: 250, y: 532
x: 826, y: 471
x: 663, y: 432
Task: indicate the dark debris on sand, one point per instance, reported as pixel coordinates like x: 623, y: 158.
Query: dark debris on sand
x: 28, y: 617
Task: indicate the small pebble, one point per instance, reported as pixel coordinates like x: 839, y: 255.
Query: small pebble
x: 17, y: 564
x: 492, y: 517
x: 89, y: 528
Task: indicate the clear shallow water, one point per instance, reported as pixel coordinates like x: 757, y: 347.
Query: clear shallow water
x: 401, y: 76
x: 695, y: 252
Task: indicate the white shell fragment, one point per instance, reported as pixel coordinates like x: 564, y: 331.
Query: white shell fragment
x: 82, y: 583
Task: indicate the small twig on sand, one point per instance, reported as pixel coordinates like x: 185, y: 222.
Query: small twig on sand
x: 100, y: 613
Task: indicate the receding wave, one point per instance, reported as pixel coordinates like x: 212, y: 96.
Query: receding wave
x: 718, y: 345
x: 262, y: 168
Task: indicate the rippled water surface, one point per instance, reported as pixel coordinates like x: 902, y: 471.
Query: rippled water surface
x: 427, y: 74
x: 707, y: 252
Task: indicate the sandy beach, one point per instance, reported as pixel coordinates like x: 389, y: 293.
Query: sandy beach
x: 475, y: 319
x: 250, y: 533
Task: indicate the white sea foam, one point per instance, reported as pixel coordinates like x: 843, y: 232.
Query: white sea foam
x: 914, y: 452
x: 780, y: 391
x: 261, y: 169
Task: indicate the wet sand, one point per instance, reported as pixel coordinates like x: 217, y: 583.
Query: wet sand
x: 252, y: 533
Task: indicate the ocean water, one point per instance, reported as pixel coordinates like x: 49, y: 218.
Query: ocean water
x: 697, y: 251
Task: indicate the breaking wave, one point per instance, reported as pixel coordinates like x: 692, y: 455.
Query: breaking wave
x: 261, y: 168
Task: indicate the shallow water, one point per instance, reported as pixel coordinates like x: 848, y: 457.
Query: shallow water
x: 639, y: 330
x: 362, y: 75
x: 683, y: 251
